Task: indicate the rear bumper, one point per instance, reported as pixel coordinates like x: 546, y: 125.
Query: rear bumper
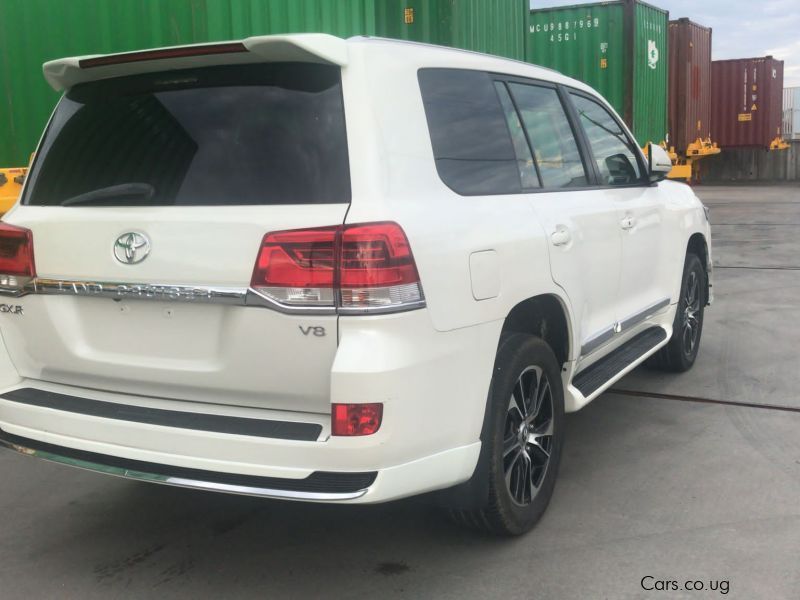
x: 433, y: 386
x: 422, y: 475
x: 319, y: 486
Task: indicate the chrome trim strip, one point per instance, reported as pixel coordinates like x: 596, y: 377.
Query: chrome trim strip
x: 141, y: 291
x: 262, y: 492
x: 130, y: 291
x: 255, y: 298
x: 182, y: 482
x: 594, y: 342
x: 205, y: 294
x: 380, y: 310
x: 597, y: 340
x: 643, y: 315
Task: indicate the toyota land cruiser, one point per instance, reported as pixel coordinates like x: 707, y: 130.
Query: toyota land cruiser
x: 332, y: 270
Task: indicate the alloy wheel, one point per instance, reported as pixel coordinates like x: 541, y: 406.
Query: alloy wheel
x: 691, y: 314
x: 528, y: 435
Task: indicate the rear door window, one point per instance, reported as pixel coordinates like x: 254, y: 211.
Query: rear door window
x: 550, y: 134
x: 471, y: 142
x: 231, y: 135
x: 527, y: 170
x: 614, y: 152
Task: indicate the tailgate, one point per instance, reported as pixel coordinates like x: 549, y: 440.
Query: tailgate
x: 148, y: 202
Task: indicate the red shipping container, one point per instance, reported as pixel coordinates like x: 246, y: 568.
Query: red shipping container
x: 746, y: 97
x: 689, y: 83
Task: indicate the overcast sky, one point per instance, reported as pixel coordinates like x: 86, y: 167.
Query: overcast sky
x: 742, y: 28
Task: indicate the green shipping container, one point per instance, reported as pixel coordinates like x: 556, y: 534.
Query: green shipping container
x: 490, y: 26
x: 35, y: 31
x: 618, y: 48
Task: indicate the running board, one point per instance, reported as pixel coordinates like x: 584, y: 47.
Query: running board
x: 604, y: 370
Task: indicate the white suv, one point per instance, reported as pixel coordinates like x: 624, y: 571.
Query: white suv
x: 333, y: 270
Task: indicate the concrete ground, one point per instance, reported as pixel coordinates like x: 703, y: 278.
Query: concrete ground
x: 649, y: 487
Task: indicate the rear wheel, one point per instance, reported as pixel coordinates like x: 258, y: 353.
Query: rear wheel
x: 681, y: 351
x: 527, y: 431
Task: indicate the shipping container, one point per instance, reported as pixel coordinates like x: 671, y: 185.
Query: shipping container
x: 790, y: 128
x: 619, y: 48
x: 489, y: 26
x: 689, y: 85
x: 747, y: 102
x: 35, y: 31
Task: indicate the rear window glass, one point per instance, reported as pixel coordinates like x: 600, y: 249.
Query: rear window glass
x: 232, y: 135
x: 554, y: 146
x: 471, y: 143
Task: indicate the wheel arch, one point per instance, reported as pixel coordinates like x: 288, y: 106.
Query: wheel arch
x: 546, y: 316
x: 698, y: 245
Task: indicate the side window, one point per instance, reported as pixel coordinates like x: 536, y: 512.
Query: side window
x: 471, y: 143
x: 613, y: 151
x: 527, y: 170
x: 554, y: 145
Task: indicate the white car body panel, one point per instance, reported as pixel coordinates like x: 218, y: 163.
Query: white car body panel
x: 478, y: 257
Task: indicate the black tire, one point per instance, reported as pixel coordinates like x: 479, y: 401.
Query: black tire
x: 681, y: 351
x: 521, y: 359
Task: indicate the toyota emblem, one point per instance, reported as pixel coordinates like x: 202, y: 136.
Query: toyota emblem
x: 131, y: 248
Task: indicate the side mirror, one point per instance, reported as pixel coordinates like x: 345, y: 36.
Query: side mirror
x: 659, y: 163
x: 621, y: 170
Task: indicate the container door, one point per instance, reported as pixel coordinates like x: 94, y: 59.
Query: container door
x: 649, y: 71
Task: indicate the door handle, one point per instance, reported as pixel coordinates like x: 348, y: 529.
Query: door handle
x: 627, y: 223
x: 561, y: 237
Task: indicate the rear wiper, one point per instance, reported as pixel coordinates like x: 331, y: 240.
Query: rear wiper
x: 123, y: 190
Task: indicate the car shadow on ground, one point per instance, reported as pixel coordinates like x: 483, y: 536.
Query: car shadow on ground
x: 633, y: 469
x: 138, y: 533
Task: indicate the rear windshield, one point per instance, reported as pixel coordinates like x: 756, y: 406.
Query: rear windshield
x: 233, y: 135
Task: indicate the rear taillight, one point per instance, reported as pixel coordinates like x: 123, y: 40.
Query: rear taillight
x: 355, y: 268
x: 296, y: 268
x: 377, y: 270
x: 356, y: 419
x: 16, y: 258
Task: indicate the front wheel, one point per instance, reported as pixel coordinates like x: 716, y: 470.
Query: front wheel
x: 527, y: 434
x: 681, y: 351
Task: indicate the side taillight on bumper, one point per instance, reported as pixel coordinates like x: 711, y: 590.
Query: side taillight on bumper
x: 356, y: 419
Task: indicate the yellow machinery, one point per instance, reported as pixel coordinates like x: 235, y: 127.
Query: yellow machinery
x: 683, y: 165
x: 778, y: 144
x: 11, y: 181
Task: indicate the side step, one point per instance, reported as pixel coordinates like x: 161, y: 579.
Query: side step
x: 595, y: 376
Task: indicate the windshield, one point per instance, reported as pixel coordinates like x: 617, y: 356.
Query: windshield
x: 232, y: 135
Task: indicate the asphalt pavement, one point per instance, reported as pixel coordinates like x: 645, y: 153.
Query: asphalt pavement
x: 691, y: 478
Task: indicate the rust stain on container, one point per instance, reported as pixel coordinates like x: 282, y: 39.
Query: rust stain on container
x: 747, y: 99
x: 689, y: 83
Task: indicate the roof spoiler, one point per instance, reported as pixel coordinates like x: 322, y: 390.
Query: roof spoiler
x: 64, y: 73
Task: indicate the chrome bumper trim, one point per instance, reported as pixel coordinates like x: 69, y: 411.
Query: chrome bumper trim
x: 197, y: 484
